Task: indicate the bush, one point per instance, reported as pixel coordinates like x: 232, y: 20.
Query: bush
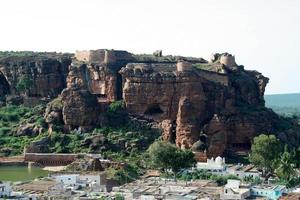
x: 167, y: 156
x: 41, y: 122
x: 4, y: 130
x: 116, y: 106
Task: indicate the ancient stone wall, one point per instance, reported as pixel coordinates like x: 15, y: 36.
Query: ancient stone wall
x: 48, y: 159
x: 83, y: 55
x: 103, y: 56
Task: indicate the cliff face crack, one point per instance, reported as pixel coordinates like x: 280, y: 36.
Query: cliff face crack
x: 4, y: 85
x: 170, y: 108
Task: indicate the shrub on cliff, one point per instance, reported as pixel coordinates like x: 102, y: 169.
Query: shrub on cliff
x: 24, y: 84
x: 116, y: 106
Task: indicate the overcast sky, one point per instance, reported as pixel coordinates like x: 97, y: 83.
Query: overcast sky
x: 263, y: 34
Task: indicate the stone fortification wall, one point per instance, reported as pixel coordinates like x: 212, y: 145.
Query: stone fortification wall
x: 103, y: 56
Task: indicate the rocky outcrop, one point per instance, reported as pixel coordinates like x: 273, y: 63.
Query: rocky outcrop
x: 193, y: 99
x: 190, y: 98
x: 46, y: 73
x: 29, y: 129
x: 40, y: 146
x: 80, y: 108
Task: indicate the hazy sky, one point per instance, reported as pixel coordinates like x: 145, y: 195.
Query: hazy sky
x: 263, y: 34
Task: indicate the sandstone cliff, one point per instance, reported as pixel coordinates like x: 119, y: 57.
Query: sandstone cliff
x: 191, y: 101
x: 215, y: 103
x: 46, y: 72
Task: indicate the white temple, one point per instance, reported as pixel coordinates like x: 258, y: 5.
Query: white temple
x: 213, y: 165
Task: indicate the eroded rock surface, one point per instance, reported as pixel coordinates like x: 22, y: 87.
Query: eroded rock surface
x: 46, y: 71
x: 80, y: 108
x: 215, y: 99
x: 215, y: 104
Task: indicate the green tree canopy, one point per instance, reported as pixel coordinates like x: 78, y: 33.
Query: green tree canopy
x: 265, y: 152
x: 285, y: 169
x: 165, y: 156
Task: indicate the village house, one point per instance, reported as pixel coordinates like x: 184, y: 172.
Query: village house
x: 5, y: 189
x: 233, y: 190
x: 273, y: 192
x: 93, y: 181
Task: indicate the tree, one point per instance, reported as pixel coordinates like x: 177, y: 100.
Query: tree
x: 265, y: 152
x: 285, y: 169
x: 165, y: 156
x: 24, y: 84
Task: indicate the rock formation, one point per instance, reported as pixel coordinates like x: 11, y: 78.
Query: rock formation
x: 217, y: 104
x: 46, y: 71
x: 190, y: 101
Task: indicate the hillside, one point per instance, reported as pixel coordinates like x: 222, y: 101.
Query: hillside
x: 189, y: 101
x: 284, y: 104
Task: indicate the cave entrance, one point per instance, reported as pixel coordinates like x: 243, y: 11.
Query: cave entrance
x: 154, y: 110
x: 4, y: 85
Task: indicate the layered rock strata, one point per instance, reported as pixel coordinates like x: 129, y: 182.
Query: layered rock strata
x: 45, y: 72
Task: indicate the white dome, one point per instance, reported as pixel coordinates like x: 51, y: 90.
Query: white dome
x: 219, y: 160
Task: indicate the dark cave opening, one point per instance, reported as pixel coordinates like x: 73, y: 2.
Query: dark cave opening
x: 154, y: 110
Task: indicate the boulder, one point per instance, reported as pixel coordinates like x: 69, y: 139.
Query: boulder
x: 80, y: 108
x: 40, y: 146
x: 28, y: 129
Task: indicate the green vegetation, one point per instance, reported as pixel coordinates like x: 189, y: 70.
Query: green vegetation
x: 166, y: 156
x: 13, y: 116
x: 6, y: 55
x: 116, y: 106
x: 286, y: 168
x: 267, y: 154
x: 205, y: 66
x: 24, y: 83
x: 287, y: 105
x: 124, y: 139
x: 124, y: 175
x: 264, y: 151
x: 66, y: 143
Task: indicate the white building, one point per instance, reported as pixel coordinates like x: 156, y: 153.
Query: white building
x: 67, y: 179
x: 213, y: 165
x: 218, y: 166
x: 5, y: 189
x: 232, y: 191
x: 96, y: 182
x: 242, y: 171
